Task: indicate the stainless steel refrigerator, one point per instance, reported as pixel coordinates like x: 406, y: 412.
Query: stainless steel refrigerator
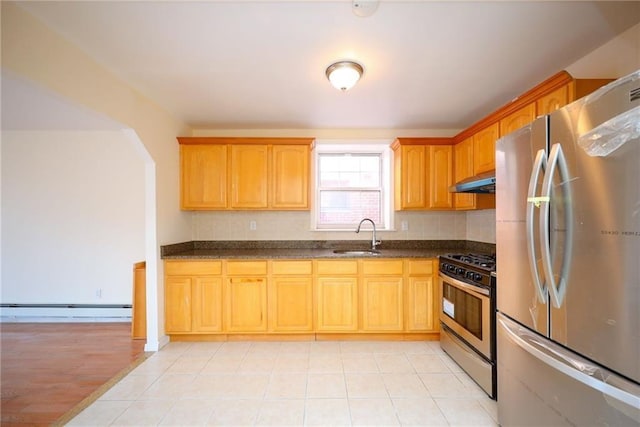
x: 568, y: 264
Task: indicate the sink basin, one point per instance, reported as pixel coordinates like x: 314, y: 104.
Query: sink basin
x: 358, y: 252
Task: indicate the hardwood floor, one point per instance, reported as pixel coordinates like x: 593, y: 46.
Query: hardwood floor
x: 46, y: 369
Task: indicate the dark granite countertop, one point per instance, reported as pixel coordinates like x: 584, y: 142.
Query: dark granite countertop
x: 303, y: 249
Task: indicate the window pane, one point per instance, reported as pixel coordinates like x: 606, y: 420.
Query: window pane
x: 350, y: 170
x: 349, y: 207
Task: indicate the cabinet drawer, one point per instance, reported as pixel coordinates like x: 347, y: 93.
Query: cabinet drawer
x: 192, y: 268
x: 292, y: 267
x: 246, y: 267
x: 421, y: 268
x: 382, y: 267
x: 338, y: 267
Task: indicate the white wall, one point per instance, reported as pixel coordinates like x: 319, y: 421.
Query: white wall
x: 33, y: 52
x: 72, y: 217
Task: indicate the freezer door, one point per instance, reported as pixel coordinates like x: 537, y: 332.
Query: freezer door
x: 594, y: 269
x: 543, y: 384
x: 520, y: 162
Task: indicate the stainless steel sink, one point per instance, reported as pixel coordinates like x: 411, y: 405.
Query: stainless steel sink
x: 357, y: 252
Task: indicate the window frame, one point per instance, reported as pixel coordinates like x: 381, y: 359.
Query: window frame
x: 378, y: 148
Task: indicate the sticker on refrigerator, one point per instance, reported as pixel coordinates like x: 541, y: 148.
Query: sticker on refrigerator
x: 448, y: 307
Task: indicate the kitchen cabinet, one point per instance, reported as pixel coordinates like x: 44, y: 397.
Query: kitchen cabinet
x: 245, y: 173
x: 440, y: 176
x: 422, y: 296
x: 249, y: 172
x: 382, y: 296
x: 484, y: 149
x: 193, y: 296
x: 410, y: 167
x: 246, y: 296
x: 290, y: 177
x: 463, y: 168
x: 290, y: 296
x: 203, y: 177
x: 337, y: 296
x: 423, y: 172
x: 177, y: 294
x: 517, y: 119
x: 553, y: 101
x: 299, y: 296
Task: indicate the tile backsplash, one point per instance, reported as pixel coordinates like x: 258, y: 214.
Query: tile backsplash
x: 292, y: 225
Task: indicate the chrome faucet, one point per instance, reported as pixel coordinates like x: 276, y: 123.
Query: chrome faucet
x: 374, y: 241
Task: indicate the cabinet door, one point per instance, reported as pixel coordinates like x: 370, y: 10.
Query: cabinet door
x: 382, y: 304
x: 516, y: 120
x: 290, y: 304
x: 207, y: 304
x: 246, y: 300
x: 177, y: 302
x: 249, y: 176
x: 553, y: 101
x: 413, y: 184
x: 203, y: 177
x: 463, y: 168
x: 290, y: 177
x: 440, y: 176
x: 484, y: 149
x: 337, y: 304
x: 421, y: 305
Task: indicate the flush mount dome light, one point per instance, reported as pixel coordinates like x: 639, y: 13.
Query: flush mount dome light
x: 344, y: 75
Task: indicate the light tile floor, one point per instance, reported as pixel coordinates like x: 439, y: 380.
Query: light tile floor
x: 295, y: 383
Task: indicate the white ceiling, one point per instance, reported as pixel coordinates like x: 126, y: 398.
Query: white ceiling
x: 261, y: 64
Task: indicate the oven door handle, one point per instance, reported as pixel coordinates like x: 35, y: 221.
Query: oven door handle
x: 462, y: 285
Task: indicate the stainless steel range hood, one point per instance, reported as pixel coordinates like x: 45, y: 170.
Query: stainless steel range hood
x: 482, y: 183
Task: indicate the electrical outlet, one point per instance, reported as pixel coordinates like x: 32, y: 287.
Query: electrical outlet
x: 99, y: 293
x: 252, y: 225
x: 404, y: 225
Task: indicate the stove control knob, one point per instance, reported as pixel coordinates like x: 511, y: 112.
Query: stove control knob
x: 451, y: 268
x: 460, y: 271
x: 470, y: 275
x: 477, y: 277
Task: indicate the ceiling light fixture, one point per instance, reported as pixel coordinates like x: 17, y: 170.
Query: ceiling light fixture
x: 344, y: 75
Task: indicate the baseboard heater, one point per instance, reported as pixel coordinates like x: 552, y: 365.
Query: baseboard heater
x: 10, y: 305
x: 10, y: 312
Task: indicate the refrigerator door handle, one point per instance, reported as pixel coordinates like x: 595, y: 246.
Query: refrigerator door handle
x: 558, y: 290
x: 562, y: 361
x: 539, y: 164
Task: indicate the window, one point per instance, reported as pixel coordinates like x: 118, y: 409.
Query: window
x: 352, y: 183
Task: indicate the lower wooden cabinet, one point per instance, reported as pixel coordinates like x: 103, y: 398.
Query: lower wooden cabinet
x: 337, y: 304
x: 207, y: 304
x: 422, y: 296
x: 178, y: 304
x: 382, y: 304
x: 291, y: 304
x: 193, y: 296
x: 246, y: 304
x: 300, y: 296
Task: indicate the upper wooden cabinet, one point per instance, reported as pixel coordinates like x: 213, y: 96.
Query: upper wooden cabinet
x: 553, y: 101
x: 518, y: 119
x: 484, y: 149
x: 440, y: 176
x: 249, y: 176
x: 290, y: 177
x: 245, y: 173
x: 423, y: 172
x: 203, y: 176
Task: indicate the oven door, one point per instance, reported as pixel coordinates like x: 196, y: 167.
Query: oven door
x: 466, y: 310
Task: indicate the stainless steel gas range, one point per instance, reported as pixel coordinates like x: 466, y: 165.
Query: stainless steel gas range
x: 468, y: 315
